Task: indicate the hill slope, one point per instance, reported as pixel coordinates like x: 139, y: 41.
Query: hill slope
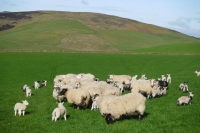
x: 70, y: 31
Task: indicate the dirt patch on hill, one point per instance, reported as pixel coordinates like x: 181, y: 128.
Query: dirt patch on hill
x: 6, y: 27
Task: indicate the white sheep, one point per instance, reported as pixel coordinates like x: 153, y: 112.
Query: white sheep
x: 57, y: 96
x: 198, y: 73
x: 28, y: 91
x: 163, y: 91
x: 77, y: 97
x: 120, y: 78
x: 144, y: 86
x: 185, y: 99
x: 57, y: 112
x: 169, y: 79
x: 184, y: 87
x: 128, y: 104
x: 94, y: 104
x: 155, y: 92
x: 20, y: 107
x: 44, y: 83
x: 143, y: 77
x: 163, y: 78
x: 36, y: 84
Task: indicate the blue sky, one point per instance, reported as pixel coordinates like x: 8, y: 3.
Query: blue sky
x: 179, y: 15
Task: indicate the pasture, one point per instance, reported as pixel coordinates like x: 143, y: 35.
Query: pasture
x: 162, y: 115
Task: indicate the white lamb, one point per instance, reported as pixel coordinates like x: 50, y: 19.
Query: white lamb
x: 143, y: 77
x: 20, y: 107
x: 27, y: 90
x: 57, y: 112
x: 36, y: 84
x: 156, y: 92
x: 128, y: 104
x: 185, y: 99
x: 198, y: 73
x: 94, y: 104
x: 44, y: 83
x: 163, y: 78
x: 169, y: 79
x: 184, y: 87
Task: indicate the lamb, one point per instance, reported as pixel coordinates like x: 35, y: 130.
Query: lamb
x: 77, y: 97
x: 128, y: 104
x: 163, y: 77
x: 27, y: 90
x: 94, y: 104
x: 44, y: 83
x: 144, y: 86
x: 20, y: 107
x: 36, y: 84
x: 163, y: 91
x: 185, y: 99
x: 57, y: 112
x: 198, y: 73
x: 169, y: 79
x: 184, y: 87
x: 143, y: 77
x: 156, y: 92
x: 162, y: 83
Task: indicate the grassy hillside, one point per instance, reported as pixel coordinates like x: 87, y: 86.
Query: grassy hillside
x: 47, y: 30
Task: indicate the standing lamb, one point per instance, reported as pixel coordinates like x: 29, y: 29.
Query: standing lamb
x: 57, y: 112
x: 27, y: 90
x: 163, y: 77
x: 128, y: 104
x: 20, y: 107
x: 169, y: 79
x: 198, y: 73
x: 184, y: 87
x: 94, y: 104
x: 36, y: 84
x: 44, y: 83
x: 185, y: 99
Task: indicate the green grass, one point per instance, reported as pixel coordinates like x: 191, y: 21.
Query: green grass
x: 161, y: 115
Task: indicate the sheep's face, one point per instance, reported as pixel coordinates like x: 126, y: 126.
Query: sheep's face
x: 25, y: 102
x: 108, y: 118
x: 111, y: 76
x: 152, y: 82
x: 63, y: 92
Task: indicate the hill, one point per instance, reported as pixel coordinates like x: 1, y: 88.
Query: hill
x: 82, y: 31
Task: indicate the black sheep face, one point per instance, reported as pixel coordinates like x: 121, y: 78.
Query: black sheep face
x: 108, y: 118
x: 63, y: 92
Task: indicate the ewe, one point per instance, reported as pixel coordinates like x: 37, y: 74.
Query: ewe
x: 20, y: 107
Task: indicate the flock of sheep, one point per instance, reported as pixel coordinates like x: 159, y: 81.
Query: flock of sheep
x: 85, y: 90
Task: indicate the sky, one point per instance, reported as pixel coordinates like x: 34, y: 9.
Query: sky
x: 180, y: 15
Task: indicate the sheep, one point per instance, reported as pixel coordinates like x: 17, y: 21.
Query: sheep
x: 27, y: 90
x: 163, y: 91
x: 156, y: 92
x: 36, y: 84
x: 169, y: 79
x: 120, y: 78
x: 77, y: 97
x: 184, y: 87
x: 163, y: 78
x: 185, y: 99
x: 198, y: 73
x: 143, y: 77
x: 57, y: 112
x: 44, y: 83
x: 57, y: 96
x: 128, y: 104
x: 162, y: 83
x: 144, y: 86
x: 20, y: 107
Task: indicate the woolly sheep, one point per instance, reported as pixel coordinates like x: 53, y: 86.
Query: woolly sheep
x: 57, y: 96
x: 57, y: 112
x: 198, y: 73
x: 20, y: 107
x: 77, y: 97
x: 169, y: 79
x: 36, y: 84
x: 120, y: 78
x: 144, y: 86
x: 128, y: 104
x: 185, y: 99
x: 162, y: 83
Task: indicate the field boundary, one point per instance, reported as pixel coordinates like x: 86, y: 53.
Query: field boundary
x: 103, y: 52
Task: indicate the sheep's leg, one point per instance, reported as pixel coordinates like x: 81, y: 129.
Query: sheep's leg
x: 15, y: 112
x: 19, y: 112
x: 65, y: 116
x: 23, y: 112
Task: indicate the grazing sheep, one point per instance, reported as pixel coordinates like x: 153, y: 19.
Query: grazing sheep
x: 144, y: 86
x: 128, y: 104
x: 120, y: 78
x: 57, y: 112
x: 20, y: 107
x: 184, y: 87
x: 77, y: 97
x: 44, y: 83
x: 185, y: 99
x: 36, y: 84
x: 198, y: 73
x: 163, y: 78
x: 169, y: 79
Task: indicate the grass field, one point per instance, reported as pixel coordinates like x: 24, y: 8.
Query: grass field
x: 161, y: 115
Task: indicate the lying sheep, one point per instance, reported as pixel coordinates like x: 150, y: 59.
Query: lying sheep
x: 128, y: 104
x: 198, y: 73
x: 185, y: 99
x: 20, y: 107
x: 57, y: 112
x: 169, y: 79
x: 77, y: 97
x: 184, y: 87
x: 36, y: 84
